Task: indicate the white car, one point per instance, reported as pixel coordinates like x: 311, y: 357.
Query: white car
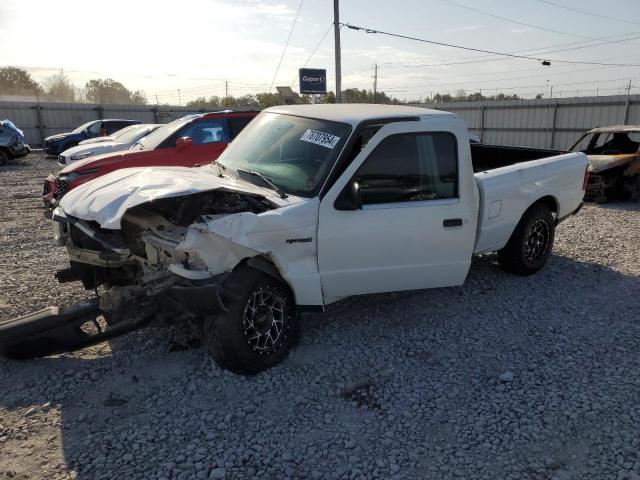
x: 308, y: 205
x: 121, y: 140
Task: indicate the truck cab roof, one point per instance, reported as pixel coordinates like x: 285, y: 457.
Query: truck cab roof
x: 356, y: 113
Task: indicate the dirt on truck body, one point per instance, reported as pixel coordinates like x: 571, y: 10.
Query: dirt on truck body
x: 614, y: 162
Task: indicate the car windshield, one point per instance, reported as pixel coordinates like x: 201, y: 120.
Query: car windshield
x: 123, y: 131
x: 295, y: 153
x: 608, y: 143
x: 131, y: 135
x: 158, y: 136
x: 84, y: 126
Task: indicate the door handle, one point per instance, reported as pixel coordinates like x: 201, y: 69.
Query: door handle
x: 452, y: 222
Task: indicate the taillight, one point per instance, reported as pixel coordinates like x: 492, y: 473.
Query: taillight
x: 586, y: 179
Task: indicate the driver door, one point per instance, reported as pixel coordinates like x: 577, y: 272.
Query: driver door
x: 417, y: 223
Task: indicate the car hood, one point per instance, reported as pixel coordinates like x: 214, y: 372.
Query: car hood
x: 99, y: 160
x: 96, y: 148
x: 59, y: 136
x: 600, y: 163
x: 96, y: 140
x: 106, y: 199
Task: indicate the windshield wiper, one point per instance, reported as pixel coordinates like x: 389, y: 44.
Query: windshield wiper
x: 221, y: 168
x: 272, y: 185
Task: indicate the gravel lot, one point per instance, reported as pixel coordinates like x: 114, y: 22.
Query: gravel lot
x: 503, y: 378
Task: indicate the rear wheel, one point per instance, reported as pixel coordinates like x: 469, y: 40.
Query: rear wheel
x: 259, y: 328
x: 531, y: 242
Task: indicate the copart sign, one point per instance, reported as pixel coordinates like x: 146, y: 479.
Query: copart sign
x: 313, y: 80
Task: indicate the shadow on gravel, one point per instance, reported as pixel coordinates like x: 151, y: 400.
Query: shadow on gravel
x: 141, y: 412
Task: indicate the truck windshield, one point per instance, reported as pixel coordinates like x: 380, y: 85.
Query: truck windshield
x: 294, y: 153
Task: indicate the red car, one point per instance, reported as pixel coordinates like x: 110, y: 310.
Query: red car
x: 187, y: 142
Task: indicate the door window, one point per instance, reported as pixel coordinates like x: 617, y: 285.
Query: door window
x: 206, y: 131
x: 410, y: 167
x: 95, y: 128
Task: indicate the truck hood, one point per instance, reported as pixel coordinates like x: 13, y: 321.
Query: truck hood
x: 106, y: 199
x: 599, y: 163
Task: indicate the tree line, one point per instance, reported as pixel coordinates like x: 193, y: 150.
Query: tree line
x: 16, y: 81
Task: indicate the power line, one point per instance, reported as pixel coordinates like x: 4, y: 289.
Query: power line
x: 293, y: 25
x: 543, y: 60
x: 586, y: 12
x: 530, y: 50
x: 510, y: 20
x: 314, y: 51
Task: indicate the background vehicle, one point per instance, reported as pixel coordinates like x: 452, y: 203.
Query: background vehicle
x: 11, y: 142
x: 614, y: 162
x: 55, y: 144
x: 189, y: 141
x: 121, y: 140
x: 107, y: 138
x: 309, y: 205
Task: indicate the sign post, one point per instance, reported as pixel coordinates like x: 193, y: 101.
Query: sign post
x: 313, y: 81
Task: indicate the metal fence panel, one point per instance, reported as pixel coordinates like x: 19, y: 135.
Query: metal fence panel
x: 554, y: 123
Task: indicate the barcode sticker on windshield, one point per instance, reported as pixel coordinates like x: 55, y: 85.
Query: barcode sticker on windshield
x: 320, y: 138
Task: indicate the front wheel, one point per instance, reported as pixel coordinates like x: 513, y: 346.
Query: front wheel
x: 531, y: 242
x: 259, y: 328
x: 4, y: 158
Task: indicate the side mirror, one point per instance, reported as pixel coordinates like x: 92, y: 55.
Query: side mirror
x: 183, y: 142
x: 350, y: 197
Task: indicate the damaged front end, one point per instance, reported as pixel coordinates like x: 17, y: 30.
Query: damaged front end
x: 155, y: 267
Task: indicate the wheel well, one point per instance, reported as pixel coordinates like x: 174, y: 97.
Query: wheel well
x: 549, y: 202
x: 266, y: 265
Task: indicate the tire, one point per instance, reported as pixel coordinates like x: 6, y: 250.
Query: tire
x: 4, y: 158
x: 234, y: 337
x: 531, y: 242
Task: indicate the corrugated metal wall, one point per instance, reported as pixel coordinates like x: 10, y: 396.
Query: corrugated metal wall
x: 554, y: 123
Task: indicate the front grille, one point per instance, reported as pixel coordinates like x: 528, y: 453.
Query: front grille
x: 62, y: 187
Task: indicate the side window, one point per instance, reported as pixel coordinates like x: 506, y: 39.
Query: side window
x: 206, y: 131
x: 94, y: 129
x: 237, y: 124
x: 410, y: 167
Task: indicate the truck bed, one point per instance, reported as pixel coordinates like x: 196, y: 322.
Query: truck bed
x: 489, y: 157
x: 511, y: 179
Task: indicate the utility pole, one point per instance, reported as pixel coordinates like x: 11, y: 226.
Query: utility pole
x: 226, y: 89
x: 336, y: 32
x: 375, y: 84
x: 627, y: 104
x: 157, y: 99
x: 179, y: 99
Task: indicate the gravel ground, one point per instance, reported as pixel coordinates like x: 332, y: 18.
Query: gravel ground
x: 503, y: 378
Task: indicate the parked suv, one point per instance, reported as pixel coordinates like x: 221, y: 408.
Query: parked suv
x: 11, y: 142
x: 56, y: 144
x: 187, y: 142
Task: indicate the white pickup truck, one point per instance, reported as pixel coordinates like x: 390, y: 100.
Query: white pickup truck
x: 308, y: 205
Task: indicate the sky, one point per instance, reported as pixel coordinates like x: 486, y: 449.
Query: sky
x: 195, y: 46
